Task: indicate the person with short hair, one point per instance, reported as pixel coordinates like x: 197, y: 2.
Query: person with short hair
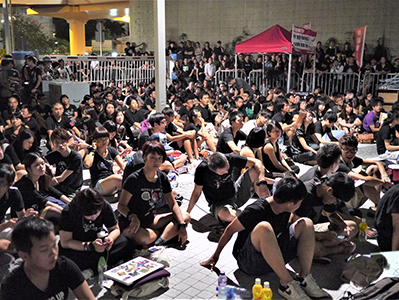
x: 228, y: 140
x: 101, y: 164
x: 89, y: 229
x: 68, y: 177
x: 140, y: 195
x: 324, y: 126
x: 70, y: 110
x: 266, y: 241
x: 370, y: 120
x: 225, y: 190
x: 43, y: 274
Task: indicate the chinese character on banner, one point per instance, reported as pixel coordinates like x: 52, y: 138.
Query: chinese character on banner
x: 360, y: 37
x: 303, y: 40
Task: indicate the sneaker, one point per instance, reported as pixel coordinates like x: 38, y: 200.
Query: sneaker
x: 292, y: 291
x: 311, y: 288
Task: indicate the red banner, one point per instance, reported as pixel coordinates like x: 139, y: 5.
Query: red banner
x: 360, y: 37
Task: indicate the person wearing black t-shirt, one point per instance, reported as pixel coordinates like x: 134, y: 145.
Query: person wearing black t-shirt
x: 141, y: 193
x: 324, y: 126
x: 202, y: 107
x: 30, y: 121
x: 224, y: 188
x: 82, y: 222
x: 374, y: 176
x: 149, y: 103
x: 70, y: 110
x: 282, y: 115
x: 101, y: 164
x: 386, y: 136
x: 267, y: 240
x: 43, y: 274
x: 230, y: 137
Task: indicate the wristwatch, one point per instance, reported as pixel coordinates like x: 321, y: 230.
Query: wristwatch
x: 184, y: 225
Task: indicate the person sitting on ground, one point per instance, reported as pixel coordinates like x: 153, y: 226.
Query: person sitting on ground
x: 370, y: 120
x: 324, y: 126
x: 43, y: 274
x: 36, y: 191
x: 57, y: 120
x: 328, y: 159
x: 12, y: 109
x: 83, y: 237
x: 386, y: 136
x: 141, y: 192
x: 386, y: 220
x: 70, y: 110
x: 255, y: 140
x: 272, y: 157
x: 374, y: 176
x: 325, y: 205
x: 228, y: 141
x: 303, y: 148
x: 17, y: 125
x: 348, y: 120
x: 266, y: 241
x: 224, y: 188
x: 203, y: 106
x: 101, y: 164
x: 68, y: 177
x: 262, y: 118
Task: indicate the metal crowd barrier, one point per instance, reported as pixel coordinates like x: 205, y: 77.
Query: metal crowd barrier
x: 221, y: 75
x: 121, y: 69
x: 371, y: 82
x: 331, y: 82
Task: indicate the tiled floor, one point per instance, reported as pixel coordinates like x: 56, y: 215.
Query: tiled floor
x: 191, y: 281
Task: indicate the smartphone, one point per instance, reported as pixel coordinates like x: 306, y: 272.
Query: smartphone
x: 341, y: 237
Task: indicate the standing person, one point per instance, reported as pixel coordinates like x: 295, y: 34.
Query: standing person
x: 82, y: 220
x: 43, y: 274
x: 210, y: 70
x: 266, y: 241
x: 141, y: 192
x: 32, y: 76
x: 101, y: 164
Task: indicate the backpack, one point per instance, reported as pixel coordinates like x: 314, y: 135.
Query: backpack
x: 384, y: 289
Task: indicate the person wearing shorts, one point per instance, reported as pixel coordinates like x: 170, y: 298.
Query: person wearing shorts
x: 224, y: 188
x: 266, y: 241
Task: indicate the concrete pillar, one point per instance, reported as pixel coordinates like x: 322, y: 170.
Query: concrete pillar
x: 142, y: 24
x: 77, y: 37
x: 160, y: 62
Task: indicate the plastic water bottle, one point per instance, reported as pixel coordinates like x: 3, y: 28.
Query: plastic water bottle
x: 363, y: 230
x: 222, y: 283
x: 239, y: 292
x: 102, y: 267
x: 257, y: 289
x: 267, y: 293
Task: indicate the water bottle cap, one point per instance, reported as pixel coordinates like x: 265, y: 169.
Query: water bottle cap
x: 222, y: 273
x: 257, y: 281
x: 266, y: 285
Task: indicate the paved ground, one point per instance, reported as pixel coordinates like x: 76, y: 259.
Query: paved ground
x: 191, y: 281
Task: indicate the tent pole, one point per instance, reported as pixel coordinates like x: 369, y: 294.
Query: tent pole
x: 236, y: 72
x: 263, y: 74
x: 289, y: 73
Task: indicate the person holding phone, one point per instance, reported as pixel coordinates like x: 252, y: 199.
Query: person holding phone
x: 82, y: 236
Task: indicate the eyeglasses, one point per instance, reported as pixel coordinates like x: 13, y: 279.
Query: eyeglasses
x: 354, y: 150
x: 164, y: 122
x: 275, y: 131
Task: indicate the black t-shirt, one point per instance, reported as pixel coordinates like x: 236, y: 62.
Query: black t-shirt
x: 389, y: 204
x: 310, y: 174
x: 63, y: 123
x: 312, y: 206
x: 6, y: 159
x: 252, y: 215
x: 280, y: 118
x: 216, y: 187
x: 70, y: 111
x: 227, y: 136
x: 83, y: 229
x: 7, y: 114
x: 136, y: 162
x: 43, y: 112
x: 64, y: 276
x: 102, y: 167
x: 347, y: 167
x: 144, y: 137
x: 33, y: 125
x: 386, y: 133
x: 12, y: 154
x: 72, y: 162
x: 11, y: 199
x: 146, y: 194
x: 319, y: 128
x: 131, y: 118
x: 171, y: 129
x: 148, y: 102
x: 183, y: 111
x: 205, y: 112
x: 191, y: 126
x: 296, y: 146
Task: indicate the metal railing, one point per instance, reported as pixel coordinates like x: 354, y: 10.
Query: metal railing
x: 330, y: 82
x: 371, y: 82
x: 221, y: 75
x: 121, y: 69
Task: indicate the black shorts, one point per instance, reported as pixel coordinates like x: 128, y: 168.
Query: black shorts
x: 252, y: 262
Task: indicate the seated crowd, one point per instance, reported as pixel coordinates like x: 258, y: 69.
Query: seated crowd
x: 249, y: 146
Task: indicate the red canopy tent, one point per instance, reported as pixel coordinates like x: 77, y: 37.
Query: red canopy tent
x: 274, y: 39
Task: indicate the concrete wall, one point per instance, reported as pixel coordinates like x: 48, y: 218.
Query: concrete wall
x: 212, y: 20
